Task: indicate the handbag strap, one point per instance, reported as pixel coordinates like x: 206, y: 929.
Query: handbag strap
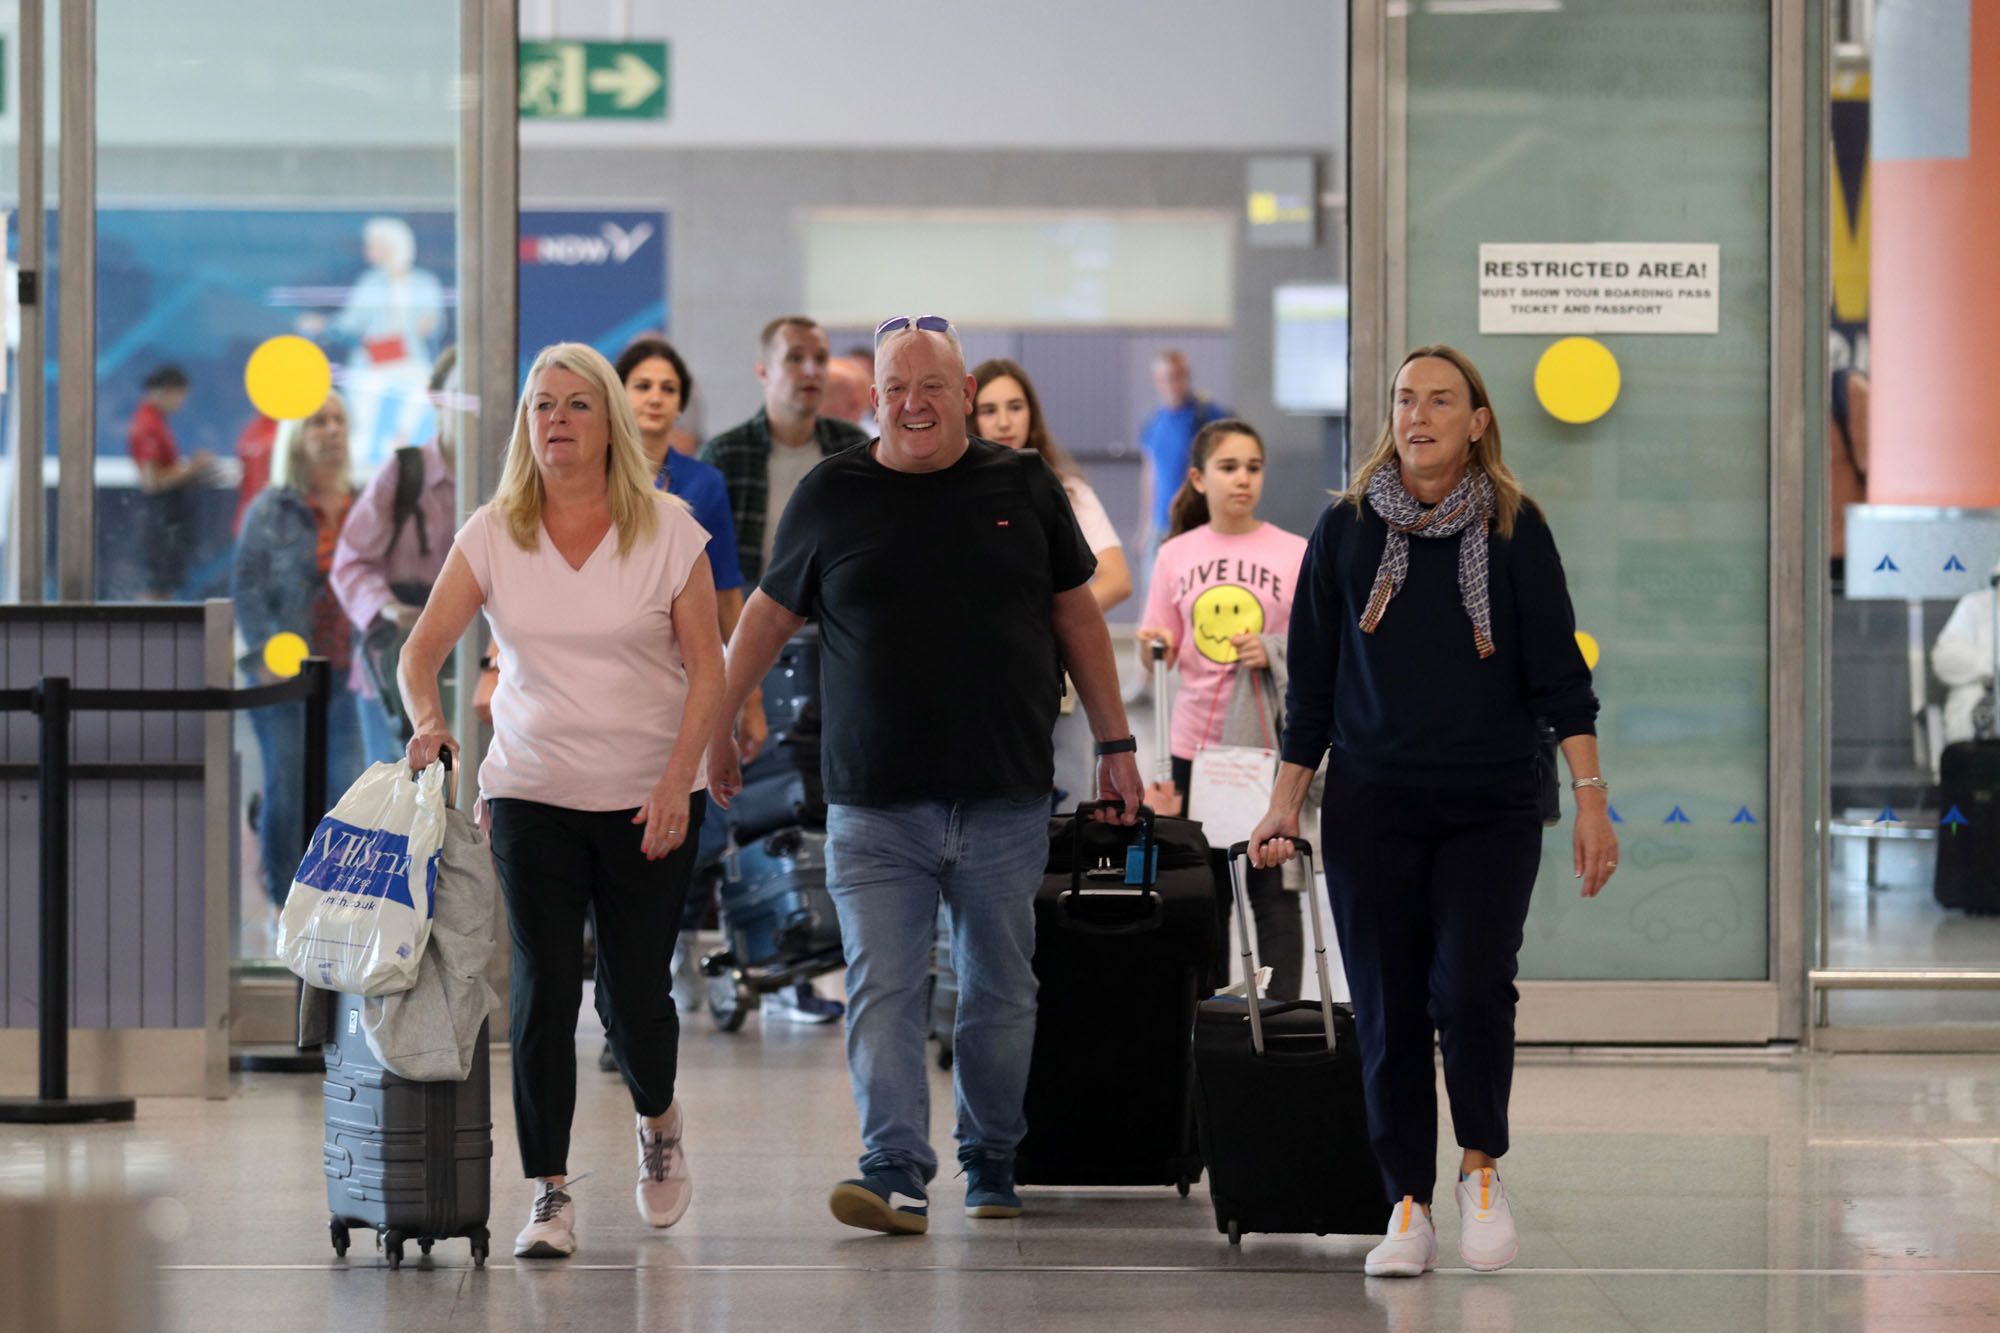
x: 1256, y: 692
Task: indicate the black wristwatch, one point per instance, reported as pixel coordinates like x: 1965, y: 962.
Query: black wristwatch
x: 1128, y: 745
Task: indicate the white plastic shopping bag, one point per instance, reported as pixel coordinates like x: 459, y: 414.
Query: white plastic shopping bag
x: 1230, y: 787
x: 359, y: 912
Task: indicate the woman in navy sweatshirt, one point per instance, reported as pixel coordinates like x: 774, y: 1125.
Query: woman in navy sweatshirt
x: 1432, y: 627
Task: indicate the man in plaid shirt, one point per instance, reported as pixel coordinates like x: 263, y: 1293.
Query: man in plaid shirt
x: 763, y: 460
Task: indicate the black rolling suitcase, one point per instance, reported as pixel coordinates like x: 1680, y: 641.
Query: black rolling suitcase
x: 1121, y: 967
x: 1284, y: 1129
x: 1968, y: 846
x: 410, y: 1161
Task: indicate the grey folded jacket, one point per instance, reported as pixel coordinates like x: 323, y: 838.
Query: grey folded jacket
x: 427, y: 1033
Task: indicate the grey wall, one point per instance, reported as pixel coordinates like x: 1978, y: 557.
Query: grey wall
x: 736, y: 257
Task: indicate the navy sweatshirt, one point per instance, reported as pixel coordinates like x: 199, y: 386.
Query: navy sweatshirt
x: 1413, y: 704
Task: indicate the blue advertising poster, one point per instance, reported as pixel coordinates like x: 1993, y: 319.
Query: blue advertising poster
x: 201, y: 288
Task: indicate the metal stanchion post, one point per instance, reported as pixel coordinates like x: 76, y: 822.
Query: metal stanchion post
x: 55, y: 1106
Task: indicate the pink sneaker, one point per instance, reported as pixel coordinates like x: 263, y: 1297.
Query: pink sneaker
x: 666, y: 1186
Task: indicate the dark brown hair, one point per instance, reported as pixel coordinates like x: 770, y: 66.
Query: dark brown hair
x: 1485, y: 454
x: 641, y: 350
x: 784, y: 322
x: 1190, y: 507
x: 1039, y: 439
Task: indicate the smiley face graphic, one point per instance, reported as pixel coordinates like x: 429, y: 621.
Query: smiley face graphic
x: 1222, y: 613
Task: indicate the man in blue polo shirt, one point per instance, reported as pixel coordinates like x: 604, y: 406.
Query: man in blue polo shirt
x: 1164, y: 441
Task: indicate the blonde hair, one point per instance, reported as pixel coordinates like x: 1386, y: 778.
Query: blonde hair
x: 1508, y: 497
x: 291, y: 470
x: 628, y: 481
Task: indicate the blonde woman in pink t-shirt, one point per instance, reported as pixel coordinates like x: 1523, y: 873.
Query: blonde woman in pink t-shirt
x: 1221, y: 600
x: 598, y: 591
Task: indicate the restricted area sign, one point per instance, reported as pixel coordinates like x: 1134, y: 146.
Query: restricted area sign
x: 593, y: 81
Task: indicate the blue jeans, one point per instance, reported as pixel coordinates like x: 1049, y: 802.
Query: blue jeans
x: 281, y: 740
x: 381, y: 739
x: 888, y: 868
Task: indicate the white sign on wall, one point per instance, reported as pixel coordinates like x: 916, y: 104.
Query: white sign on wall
x: 1600, y: 287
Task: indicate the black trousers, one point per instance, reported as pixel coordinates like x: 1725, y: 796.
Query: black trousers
x: 1430, y: 894
x: 1280, y: 935
x: 555, y: 866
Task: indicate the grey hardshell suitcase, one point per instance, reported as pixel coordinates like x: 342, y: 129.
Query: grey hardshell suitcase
x: 409, y: 1161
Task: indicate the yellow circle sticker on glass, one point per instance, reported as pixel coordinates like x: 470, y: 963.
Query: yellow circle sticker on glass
x: 1577, y: 380
x: 1222, y: 613
x: 285, y: 653
x: 1591, y: 652
x: 288, y: 377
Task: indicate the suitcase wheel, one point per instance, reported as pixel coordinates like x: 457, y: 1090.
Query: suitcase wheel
x: 392, y: 1244
x: 479, y: 1240
x: 424, y: 1245
x: 1184, y: 1185
x: 729, y: 1002
x: 338, y: 1231
x: 1235, y: 1232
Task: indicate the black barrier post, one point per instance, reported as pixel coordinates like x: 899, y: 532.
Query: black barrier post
x: 55, y: 1106
x: 318, y: 675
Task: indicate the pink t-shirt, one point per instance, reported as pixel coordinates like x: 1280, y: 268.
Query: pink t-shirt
x: 1208, y: 587
x: 592, y: 683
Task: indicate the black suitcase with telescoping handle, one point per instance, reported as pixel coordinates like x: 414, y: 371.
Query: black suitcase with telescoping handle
x: 1284, y: 1127
x: 1968, y: 847
x: 1124, y: 926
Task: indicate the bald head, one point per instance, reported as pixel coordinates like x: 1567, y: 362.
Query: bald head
x: 922, y: 398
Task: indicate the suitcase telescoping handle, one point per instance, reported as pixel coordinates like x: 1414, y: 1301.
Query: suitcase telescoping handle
x: 1163, y: 754
x: 1141, y: 892
x: 1239, y: 856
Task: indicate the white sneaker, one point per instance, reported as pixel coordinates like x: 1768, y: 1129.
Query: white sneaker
x: 666, y: 1186
x: 1410, y: 1249
x: 551, y: 1229
x: 1487, y: 1240
x: 802, y: 1004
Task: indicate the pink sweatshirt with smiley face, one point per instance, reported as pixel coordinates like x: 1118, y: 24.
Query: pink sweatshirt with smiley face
x: 1207, y: 588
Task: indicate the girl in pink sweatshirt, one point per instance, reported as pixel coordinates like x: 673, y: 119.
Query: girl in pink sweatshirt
x: 1221, y: 601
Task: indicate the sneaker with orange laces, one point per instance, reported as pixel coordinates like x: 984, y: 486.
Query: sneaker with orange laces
x: 1410, y: 1249
x: 1487, y: 1240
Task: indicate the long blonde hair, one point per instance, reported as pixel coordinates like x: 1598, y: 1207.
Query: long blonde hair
x: 1508, y: 497
x: 628, y: 482
x: 291, y: 470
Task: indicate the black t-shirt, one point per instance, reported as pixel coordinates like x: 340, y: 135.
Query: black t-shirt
x: 933, y: 590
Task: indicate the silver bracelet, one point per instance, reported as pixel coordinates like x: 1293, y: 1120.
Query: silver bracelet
x: 1598, y: 784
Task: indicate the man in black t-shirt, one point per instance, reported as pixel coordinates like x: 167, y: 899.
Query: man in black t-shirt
x: 951, y: 586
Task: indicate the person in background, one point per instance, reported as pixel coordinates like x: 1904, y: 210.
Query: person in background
x: 1006, y: 411
x: 597, y: 589
x: 1164, y: 441
x: 167, y: 482
x: 1963, y: 660
x: 762, y: 462
x: 253, y: 462
x: 763, y: 459
x: 1221, y: 602
x: 1431, y: 629
x: 1847, y: 460
x: 394, y: 546
x: 281, y: 586
x: 660, y: 387
x: 847, y: 391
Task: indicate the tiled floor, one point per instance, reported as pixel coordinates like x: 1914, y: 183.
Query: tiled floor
x: 1655, y: 1192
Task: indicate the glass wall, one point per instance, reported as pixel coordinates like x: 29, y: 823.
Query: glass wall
x: 1577, y: 127
x: 278, y: 271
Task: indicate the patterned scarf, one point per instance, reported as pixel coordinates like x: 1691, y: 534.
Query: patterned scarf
x: 1468, y: 507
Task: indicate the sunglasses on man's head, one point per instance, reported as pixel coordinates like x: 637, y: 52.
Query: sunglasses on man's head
x: 928, y: 323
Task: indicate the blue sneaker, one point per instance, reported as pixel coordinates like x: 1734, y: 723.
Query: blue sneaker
x: 803, y: 1004
x: 989, y: 1187
x: 889, y: 1200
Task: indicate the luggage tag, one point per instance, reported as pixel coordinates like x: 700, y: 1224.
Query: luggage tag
x: 1142, y: 861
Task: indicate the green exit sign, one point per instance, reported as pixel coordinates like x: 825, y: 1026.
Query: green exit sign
x: 593, y: 80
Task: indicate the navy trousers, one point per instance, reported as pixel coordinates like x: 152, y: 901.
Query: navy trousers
x: 1430, y: 892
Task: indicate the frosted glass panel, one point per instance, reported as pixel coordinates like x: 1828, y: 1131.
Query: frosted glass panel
x: 1022, y: 269
x: 1628, y: 120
